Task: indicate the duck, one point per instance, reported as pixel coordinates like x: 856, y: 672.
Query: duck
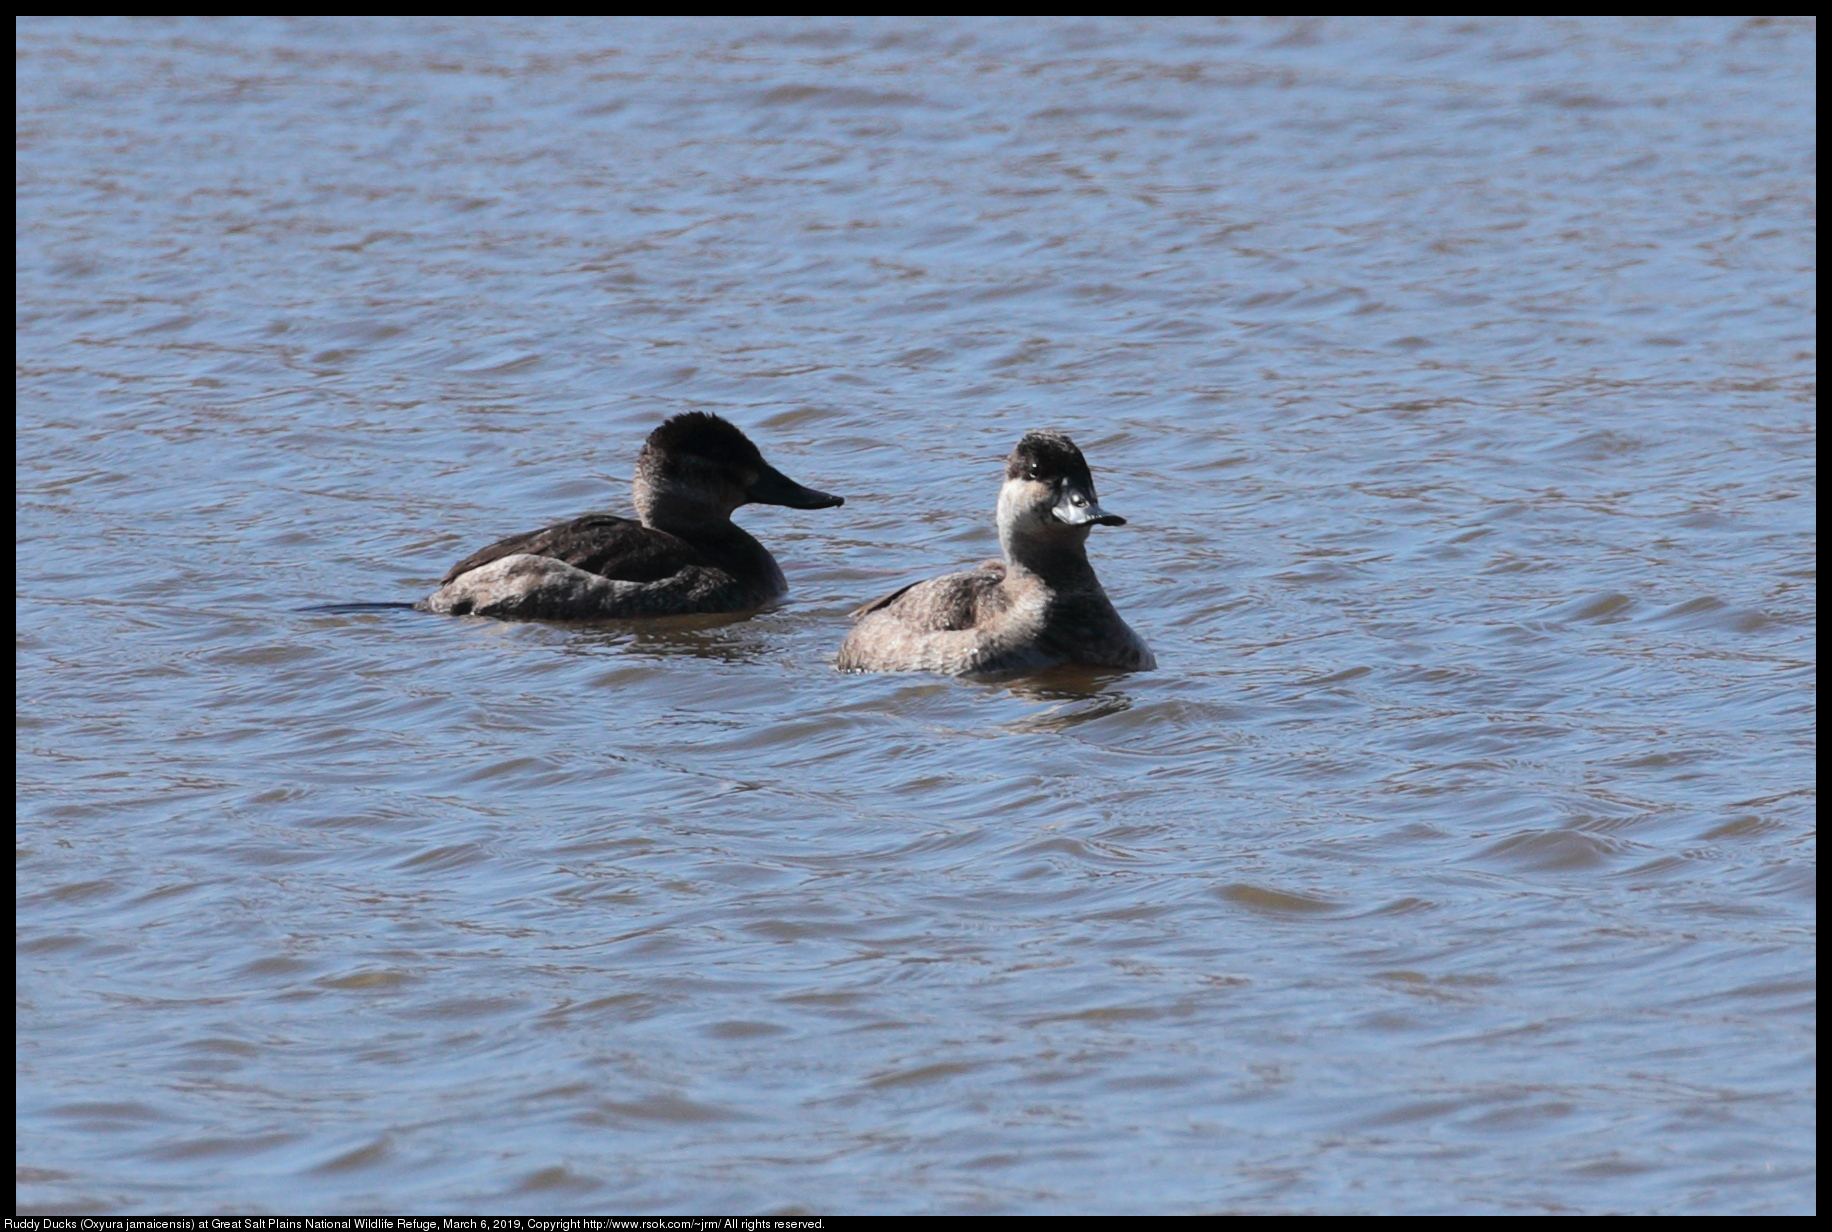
x: 681, y: 555
x: 1040, y: 607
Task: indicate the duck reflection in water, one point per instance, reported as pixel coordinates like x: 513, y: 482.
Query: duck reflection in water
x: 1040, y: 607
x: 1073, y: 696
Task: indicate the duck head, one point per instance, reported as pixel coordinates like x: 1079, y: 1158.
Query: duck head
x: 697, y: 468
x: 1048, y: 497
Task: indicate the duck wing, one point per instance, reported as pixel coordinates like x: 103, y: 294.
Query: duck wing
x: 951, y: 601
x: 617, y: 548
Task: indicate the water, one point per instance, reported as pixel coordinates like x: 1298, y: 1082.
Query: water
x: 1457, y: 379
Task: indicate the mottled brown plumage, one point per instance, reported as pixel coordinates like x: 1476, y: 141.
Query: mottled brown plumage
x: 1039, y: 607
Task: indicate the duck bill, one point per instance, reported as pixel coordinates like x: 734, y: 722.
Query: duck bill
x: 1079, y: 508
x: 775, y: 488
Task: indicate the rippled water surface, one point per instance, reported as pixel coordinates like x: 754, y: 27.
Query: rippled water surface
x: 1457, y: 379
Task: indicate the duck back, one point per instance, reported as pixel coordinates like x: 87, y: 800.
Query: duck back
x: 600, y: 543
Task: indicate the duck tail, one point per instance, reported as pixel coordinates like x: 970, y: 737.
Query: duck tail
x: 345, y: 609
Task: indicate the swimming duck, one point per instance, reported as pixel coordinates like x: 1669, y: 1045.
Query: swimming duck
x: 1039, y: 607
x: 683, y: 554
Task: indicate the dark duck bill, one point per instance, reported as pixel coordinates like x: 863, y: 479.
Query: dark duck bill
x: 772, y: 487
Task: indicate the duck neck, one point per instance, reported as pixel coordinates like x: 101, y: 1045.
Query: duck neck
x: 711, y: 530
x: 1060, y: 562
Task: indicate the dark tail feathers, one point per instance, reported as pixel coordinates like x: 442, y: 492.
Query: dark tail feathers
x: 345, y: 609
